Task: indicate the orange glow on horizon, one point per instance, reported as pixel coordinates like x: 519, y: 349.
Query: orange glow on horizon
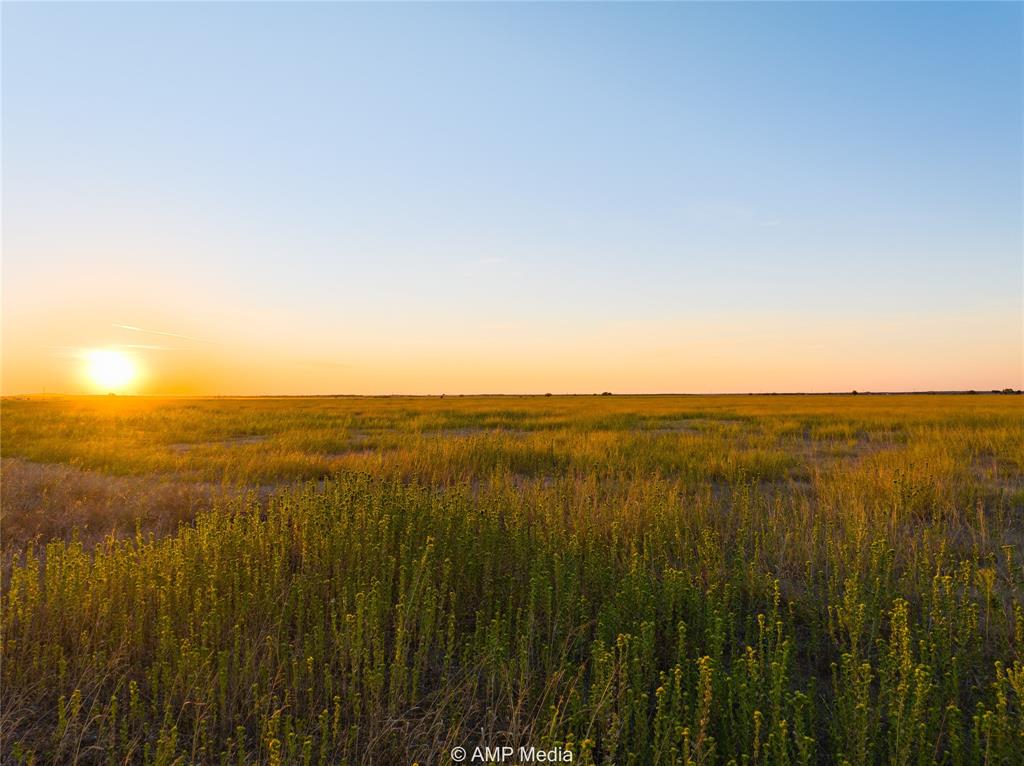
x: 78, y: 351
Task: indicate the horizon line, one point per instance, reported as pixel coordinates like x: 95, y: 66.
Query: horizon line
x: 485, y: 395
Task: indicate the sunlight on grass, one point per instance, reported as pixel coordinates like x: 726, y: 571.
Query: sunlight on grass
x: 639, y: 580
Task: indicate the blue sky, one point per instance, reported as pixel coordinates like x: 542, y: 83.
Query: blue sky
x: 429, y: 197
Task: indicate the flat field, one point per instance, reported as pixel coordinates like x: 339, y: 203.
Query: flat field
x: 635, y: 580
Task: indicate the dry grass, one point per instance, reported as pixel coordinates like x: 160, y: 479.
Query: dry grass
x: 665, y: 580
x: 45, y: 502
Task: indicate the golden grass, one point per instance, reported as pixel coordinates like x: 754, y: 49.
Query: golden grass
x: 665, y: 580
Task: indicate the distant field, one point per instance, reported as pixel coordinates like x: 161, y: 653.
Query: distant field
x: 640, y: 580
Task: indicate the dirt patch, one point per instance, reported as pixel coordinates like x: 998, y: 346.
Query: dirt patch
x: 997, y: 475
x: 240, y: 441
x: 448, y: 433
x: 684, y: 427
x: 691, y: 425
x: 359, y: 453
x: 816, y: 451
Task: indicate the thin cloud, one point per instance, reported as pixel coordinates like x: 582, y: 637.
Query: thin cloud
x: 133, y: 328
x: 150, y: 347
x: 78, y: 351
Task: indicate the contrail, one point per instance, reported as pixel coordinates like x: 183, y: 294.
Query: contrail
x: 133, y: 328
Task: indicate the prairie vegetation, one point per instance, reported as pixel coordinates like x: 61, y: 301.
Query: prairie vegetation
x: 641, y: 580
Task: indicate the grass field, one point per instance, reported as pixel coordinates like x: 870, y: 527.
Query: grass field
x: 637, y: 580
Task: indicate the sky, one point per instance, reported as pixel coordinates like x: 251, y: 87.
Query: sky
x: 461, y: 198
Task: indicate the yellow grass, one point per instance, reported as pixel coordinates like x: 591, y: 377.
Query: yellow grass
x: 761, y: 579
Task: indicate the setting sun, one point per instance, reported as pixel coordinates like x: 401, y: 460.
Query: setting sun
x: 110, y: 370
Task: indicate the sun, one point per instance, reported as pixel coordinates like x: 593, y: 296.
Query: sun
x: 109, y: 370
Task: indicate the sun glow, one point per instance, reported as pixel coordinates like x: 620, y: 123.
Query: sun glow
x: 110, y: 371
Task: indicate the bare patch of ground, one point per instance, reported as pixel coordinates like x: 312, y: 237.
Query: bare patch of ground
x: 239, y: 441
x: 682, y: 427
x: 816, y: 450
x: 467, y: 431
x: 998, y: 475
x: 692, y: 425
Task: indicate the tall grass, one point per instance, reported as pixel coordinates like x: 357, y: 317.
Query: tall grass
x: 809, y: 588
